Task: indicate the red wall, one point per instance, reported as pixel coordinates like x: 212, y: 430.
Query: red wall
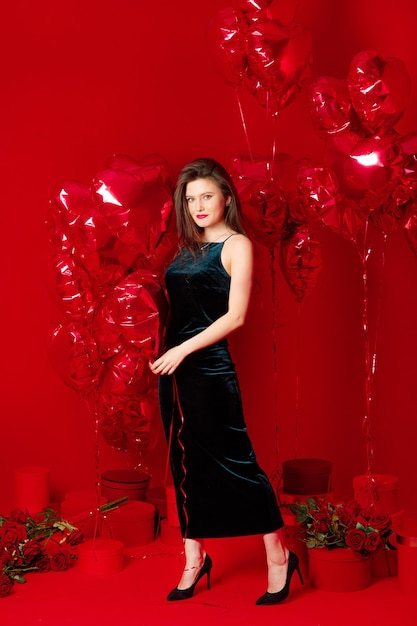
x: 84, y: 80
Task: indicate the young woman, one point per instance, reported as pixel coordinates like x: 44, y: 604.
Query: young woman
x: 220, y: 489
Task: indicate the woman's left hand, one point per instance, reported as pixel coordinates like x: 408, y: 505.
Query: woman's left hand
x: 169, y: 361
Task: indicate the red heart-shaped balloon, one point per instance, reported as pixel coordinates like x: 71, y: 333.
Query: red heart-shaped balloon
x: 279, y: 61
x: 379, y: 88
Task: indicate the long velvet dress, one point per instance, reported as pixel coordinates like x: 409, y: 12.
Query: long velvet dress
x: 220, y: 489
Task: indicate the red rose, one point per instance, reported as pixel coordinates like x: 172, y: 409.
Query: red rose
x: 75, y: 537
x: 19, y: 516
x: 320, y: 527
x: 53, y: 543
x: 351, y: 523
x: 351, y: 510
x: 11, y: 534
x: 343, y: 515
x: 380, y: 522
x: 361, y: 519
x: 60, y: 561
x: 322, y: 515
x: 43, y: 564
x: 5, y: 557
x: 355, y: 538
x: 373, y: 541
x: 5, y: 586
x: 32, y: 550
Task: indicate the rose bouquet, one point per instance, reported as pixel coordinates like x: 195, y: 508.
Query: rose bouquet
x: 36, y: 543
x: 39, y: 543
x: 344, y: 525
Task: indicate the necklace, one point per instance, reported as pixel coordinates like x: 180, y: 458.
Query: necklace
x: 214, y: 240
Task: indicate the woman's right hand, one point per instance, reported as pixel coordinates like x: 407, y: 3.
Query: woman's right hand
x: 168, y: 362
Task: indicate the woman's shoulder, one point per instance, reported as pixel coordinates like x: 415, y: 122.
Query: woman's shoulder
x: 237, y: 249
x: 240, y: 241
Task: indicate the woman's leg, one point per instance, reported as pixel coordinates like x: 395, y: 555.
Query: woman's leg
x: 276, y: 559
x: 194, y: 558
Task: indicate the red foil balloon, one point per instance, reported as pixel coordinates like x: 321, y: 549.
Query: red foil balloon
x: 407, y: 145
x: 165, y: 251
x: 133, y: 312
x: 135, y: 201
x: 127, y: 391
x: 82, y: 224
x: 72, y: 285
x: 126, y: 374
x: 379, y: 89
x: 74, y: 354
x: 330, y: 105
x: 264, y: 209
x: 254, y: 10
x: 393, y: 204
x: 347, y: 217
x: 76, y: 225
x: 315, y: 192
x: 227, y: 46
x: 279, y: 58
x: 127, y: 428
x: 270, y: 100
x: 363, y: 165
x: 301, y: 261
x: 258, y: 167
x: 410, y: 224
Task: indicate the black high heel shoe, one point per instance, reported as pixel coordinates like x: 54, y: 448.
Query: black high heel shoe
x: 184, y: 594
x: 279, y: 596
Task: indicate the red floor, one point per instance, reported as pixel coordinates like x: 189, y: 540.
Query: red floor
x: 136, y: 595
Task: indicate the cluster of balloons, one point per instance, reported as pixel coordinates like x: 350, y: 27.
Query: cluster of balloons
x: 272, y: 215
x: 371, y: 168
x: 368, y: 173
x: 111, y: 240
x: 270, y: 58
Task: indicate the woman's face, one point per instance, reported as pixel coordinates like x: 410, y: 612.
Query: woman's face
x: 206, y: 202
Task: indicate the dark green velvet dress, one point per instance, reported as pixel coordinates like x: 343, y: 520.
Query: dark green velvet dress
x: 221, y: 491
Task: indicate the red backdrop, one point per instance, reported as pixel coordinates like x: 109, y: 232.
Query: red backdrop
x: 84, y: 80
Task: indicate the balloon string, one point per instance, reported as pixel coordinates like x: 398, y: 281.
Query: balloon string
x: 378, y: 312
x: 366, y: 424
x: 97, y: 529
x: 297, y: 379
x: 271, y: 162
x: 273, y: 149
x: 370, y: 486
x: 297, y: 6
x: 275, y: 348
x: 244, y: 126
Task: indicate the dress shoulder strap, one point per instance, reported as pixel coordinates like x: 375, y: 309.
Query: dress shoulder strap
x: 231, y: 235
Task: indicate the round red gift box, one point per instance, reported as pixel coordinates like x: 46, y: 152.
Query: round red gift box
x: 338, y: 570
x: 378, y: 489
x: 170, y: 534
x: 306, y: 476
x: 132, y: 523
x: 407, y: 556
x: 120, y: 483
x: 101, y: 556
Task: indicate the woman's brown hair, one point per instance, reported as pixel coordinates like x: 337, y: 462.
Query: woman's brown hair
x: 189, y: 232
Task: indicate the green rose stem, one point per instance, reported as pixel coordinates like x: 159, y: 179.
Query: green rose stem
x: 103, y: 508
